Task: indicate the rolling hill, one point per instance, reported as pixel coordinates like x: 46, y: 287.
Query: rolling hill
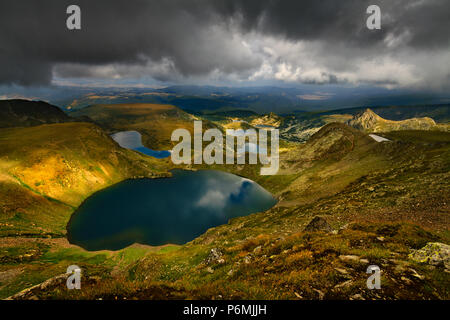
x: 379, y: 200
x: 46, y: 171
x: 24, y: 113
x: 154, y: 121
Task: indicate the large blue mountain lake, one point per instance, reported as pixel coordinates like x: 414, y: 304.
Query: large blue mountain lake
x: 171, y: 210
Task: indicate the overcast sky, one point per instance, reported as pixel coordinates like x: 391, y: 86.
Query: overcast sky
x: 227, y: 41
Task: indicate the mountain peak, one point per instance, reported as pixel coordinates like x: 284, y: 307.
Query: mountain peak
x: 370, y: 112
x: 369, y: 121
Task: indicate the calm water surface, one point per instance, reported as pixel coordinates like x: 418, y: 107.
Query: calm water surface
x: 161, y: 211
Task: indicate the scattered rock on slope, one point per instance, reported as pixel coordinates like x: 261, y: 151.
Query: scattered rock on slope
x: 214, y: 256
x: 318, y: 224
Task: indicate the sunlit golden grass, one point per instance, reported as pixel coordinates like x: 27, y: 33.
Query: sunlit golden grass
x: 46, y: 171
x: 155, y: 122
x: 381, y: 200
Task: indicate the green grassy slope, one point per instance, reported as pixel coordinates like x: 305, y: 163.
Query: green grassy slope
x: 155, y: 122
x: 46, y: 171
x: 382, y: 200
x: 394, y: 203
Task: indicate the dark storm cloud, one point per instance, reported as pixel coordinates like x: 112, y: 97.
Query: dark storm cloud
x: 332, y: 20
x: 130, y: 32
x: 196, y: 37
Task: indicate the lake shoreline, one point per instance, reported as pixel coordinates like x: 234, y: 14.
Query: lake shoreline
x: 237, y: 197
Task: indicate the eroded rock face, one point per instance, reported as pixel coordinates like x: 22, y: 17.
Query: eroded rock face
x: 318, y: 224
x: 434, y: 253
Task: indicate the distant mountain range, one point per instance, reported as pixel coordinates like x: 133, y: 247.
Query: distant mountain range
x: 148, y: 118
x: 261, y: 99
x: 300, y: 126
x: 438, y: 112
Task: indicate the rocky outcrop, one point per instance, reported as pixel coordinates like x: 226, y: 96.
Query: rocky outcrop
x: 318, y: 224
x: 365, y: 121
x: 214, y: 256
x: 434, y: 253
x: 270, y: 119
x: 30, y: 293
x: 39, y: 291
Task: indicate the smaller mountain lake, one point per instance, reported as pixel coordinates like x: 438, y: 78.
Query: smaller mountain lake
x: 133, y: 140
x: 161, y: 211
x: 249, y: 146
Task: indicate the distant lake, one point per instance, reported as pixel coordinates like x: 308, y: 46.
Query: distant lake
x: 249, y: 146
x: 172, y: 210
x: 133, y: 140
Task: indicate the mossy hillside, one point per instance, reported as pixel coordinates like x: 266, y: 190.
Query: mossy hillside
x: 393, y: 191
x: 47, y: 171
x: 24, y: 113
x: 155, y: 122
x: 268, y: 265
x: 27, y: 262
